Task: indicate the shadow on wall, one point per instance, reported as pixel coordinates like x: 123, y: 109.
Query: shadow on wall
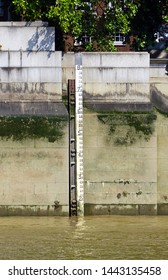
x: 159, y: 100
x: 42, y: 40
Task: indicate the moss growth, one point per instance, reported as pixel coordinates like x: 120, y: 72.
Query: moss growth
x: 126, y: 128
x: 18, y: 128
x: 165, y: 114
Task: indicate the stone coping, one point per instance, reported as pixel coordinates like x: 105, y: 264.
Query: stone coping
x: 23, y: 24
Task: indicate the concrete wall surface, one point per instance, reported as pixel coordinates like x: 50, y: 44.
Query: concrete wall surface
x: 125, y: 168
x: 159, y: 84
x: 30, y: 76
x: 120, y: 164
x: 111, y: 77
x: 162, y: 163
x: 121, y: 77
x: 33, y: 36
x: 34, y: 177
x: 68, y: 69
x: 34, y: 169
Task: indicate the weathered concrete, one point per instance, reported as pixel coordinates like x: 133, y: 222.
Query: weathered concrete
x: 123, y: 209
x: 32, y: 109
x: 33, y: 36
x: 162, y: 163
x: 68, y: 70
x: 34, y: 177
x: 111, y: 77
x: 120, y: 173
x: 30, y: 76
x: 159, y: 84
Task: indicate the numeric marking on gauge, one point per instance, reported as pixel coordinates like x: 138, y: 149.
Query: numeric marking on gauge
x: 79, y: 136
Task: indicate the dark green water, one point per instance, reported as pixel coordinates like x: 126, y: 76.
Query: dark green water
x: 93, y: 237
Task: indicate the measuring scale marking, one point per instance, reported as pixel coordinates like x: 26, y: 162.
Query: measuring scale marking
x: 79, y: 140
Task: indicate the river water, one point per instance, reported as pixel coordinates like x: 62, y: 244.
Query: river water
x: 92, y: 237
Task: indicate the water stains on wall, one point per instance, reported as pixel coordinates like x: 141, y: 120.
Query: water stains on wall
x: 127, y: 128
x: 18, y: 128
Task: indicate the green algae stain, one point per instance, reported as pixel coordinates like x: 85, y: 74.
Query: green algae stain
x: 127, y: 128
x: 19, y: 128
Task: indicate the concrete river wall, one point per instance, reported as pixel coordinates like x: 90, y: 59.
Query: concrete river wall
x: 125, y: 128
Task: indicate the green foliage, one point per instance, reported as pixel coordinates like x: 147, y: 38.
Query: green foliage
x: 103, y: 20
x: 100, y: 21
x: 151, y: 14
x: 19, y: 128
x: 165, y: 18
x: 28, y: 9
x: 69, y: 17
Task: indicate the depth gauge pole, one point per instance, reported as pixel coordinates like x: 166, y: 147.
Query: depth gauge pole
x: 79, y: 134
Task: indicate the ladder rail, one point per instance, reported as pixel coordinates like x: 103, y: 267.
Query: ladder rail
x: 72, y: 149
